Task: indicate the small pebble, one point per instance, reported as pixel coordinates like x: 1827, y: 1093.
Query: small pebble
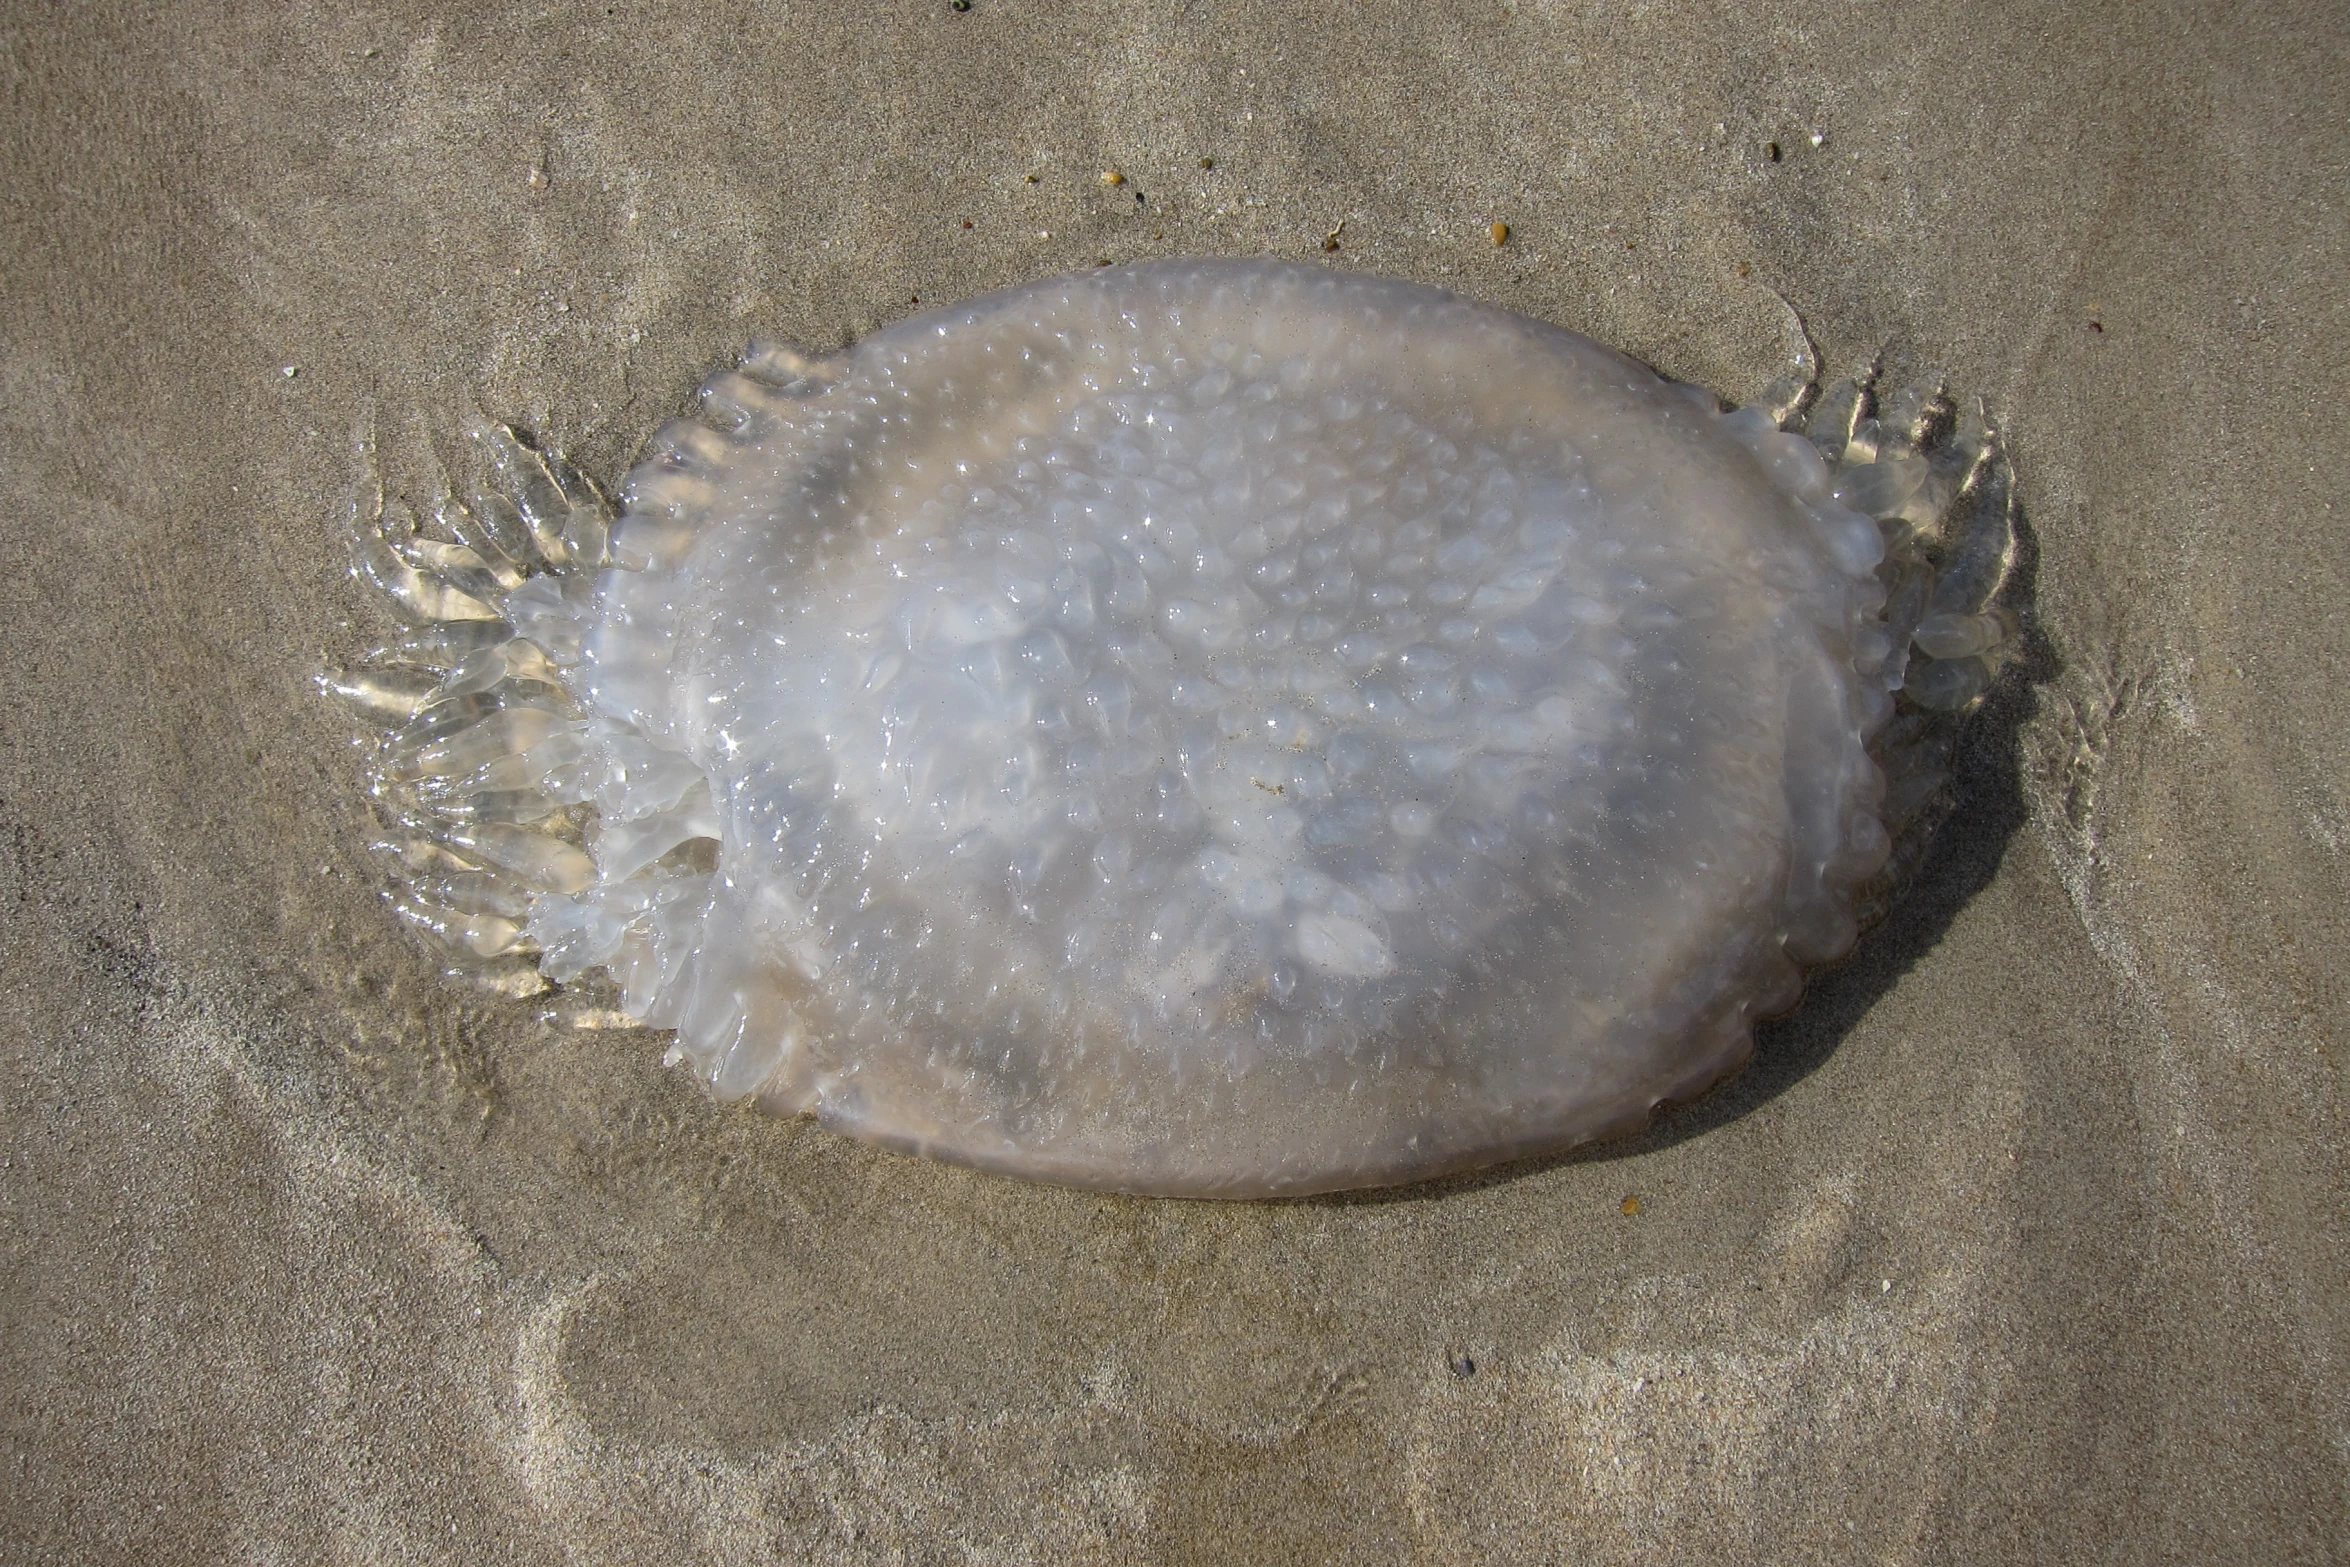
x: 1631, y: 1206
x: 1112, y: 177
x: 1500, y: 233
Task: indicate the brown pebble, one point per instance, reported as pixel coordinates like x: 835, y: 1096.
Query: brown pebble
x: 1030, y: 178
x: 1631, y: 1206
x: 966, y: 223
x: 1746, y: 269
x: 1112, y: 177
x: 1207, y: 163
x: 1500, y: 233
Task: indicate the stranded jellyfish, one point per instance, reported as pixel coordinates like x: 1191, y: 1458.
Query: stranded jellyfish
x: 1220, y: 728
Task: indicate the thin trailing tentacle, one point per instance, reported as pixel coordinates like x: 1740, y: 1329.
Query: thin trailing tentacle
x: 441, y: 645
x: 417, y: 592
x: 1789, y: 398
x: 388, y: 696
x: 565, y: 515
x: 461, y: 523
x: 492, y: 523
x: 530, y: 488
x: 1839, y: 412
x: 1942, y: 494
x: 786, y: 368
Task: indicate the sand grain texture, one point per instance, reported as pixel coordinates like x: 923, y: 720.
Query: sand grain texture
x: 2024, y: 1241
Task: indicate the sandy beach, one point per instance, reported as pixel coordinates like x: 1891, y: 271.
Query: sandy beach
x: 2026, y: 1239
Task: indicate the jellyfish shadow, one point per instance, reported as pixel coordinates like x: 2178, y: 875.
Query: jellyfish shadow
x: 1988, y: 808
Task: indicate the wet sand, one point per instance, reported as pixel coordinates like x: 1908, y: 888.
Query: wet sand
x: 2023, y: 1241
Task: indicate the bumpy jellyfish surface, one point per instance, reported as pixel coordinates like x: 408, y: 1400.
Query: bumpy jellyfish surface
x: 1214, y: 728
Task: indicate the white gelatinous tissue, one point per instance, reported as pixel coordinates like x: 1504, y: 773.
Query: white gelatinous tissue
x: 1229, y: 728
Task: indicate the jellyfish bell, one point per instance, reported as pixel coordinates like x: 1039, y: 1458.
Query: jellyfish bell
x: 1215, y: 728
